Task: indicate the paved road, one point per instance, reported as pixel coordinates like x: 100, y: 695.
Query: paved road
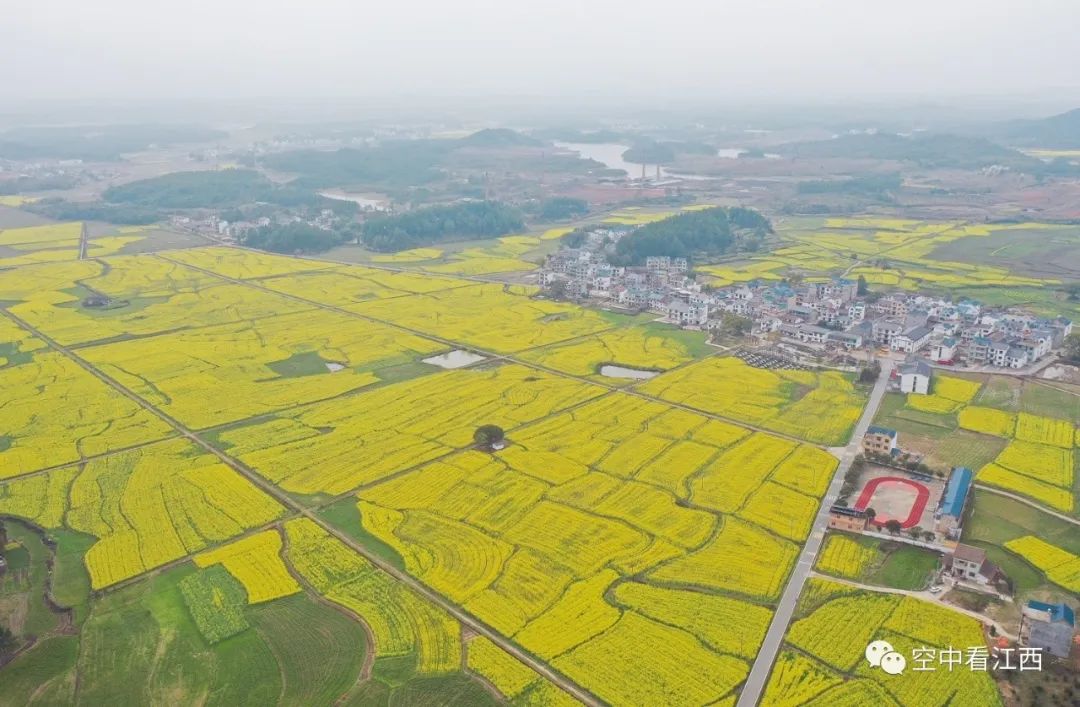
x: 774, y: 638
x: 84, y: 236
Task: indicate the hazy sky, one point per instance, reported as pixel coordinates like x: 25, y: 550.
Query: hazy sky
x: 780, y: 49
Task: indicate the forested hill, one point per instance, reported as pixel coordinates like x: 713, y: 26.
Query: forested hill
x: 698, y: 233
x: 938, y: 151
x: 473, y: 219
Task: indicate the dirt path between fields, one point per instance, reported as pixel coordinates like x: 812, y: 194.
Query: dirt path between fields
x: 258, y: 480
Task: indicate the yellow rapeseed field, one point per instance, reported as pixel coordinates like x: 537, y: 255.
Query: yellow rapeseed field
x: 818, y: 407
x: 243, y: 264
x: 845, y: 557
x: 334, y: 446
x: 401, y: 622
x: 256, y: 367
x: 987, y: 421
x: 146, y: 506
x: 55, y: 412
x: 1060, y: 566
x: 502, y: 318
x: 255, y: 561
x: 632, y: 347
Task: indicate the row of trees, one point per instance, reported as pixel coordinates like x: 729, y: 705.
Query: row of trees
x: 708, y: 232
x: 473, y: 219
x: 298, y: 237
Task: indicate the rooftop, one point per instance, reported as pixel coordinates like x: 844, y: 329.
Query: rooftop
x: 952, y: 503
x: 875, y: 430
x: 1056, y: 612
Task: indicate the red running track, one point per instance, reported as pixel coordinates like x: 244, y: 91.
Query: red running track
x: 917, y: 508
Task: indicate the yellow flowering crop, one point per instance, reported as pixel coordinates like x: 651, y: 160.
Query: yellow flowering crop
x: 845, y: 557
x: 987, y: 421
x: 402, y: 622
x: 1060, y: 566
x: 819, y: 407
x: 256, y: 562
x: 503, y: 318
x: 55, y: 412
x: 1045, y: 430
x: 213, y: 375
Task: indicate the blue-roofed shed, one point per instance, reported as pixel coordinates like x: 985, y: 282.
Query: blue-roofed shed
x: 956, y: 491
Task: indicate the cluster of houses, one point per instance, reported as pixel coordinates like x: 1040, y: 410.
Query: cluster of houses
x: 233, y: 231
x: 824, y: 316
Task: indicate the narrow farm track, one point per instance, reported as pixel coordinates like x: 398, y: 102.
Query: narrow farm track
x: 1028, y: 502
x: 755, y: 683
x: 925, y: 596
x: 491, y: 354
x: 290, y: 503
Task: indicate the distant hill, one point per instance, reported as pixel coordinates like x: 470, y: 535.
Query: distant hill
x: 933, y: 150
x: 1060, y: 131
x: 97, y: 142
x: 500, y: 137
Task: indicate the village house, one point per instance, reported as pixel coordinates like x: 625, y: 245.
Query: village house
x: 969, y: 564
x: 1050, y: 627
x: 879, y: 440
x: 915, y: 377
x: 849, y: 519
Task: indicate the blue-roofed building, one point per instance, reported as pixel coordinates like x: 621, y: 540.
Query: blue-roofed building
x: 1048, y: 626
x: 951, y: 509
x: 879, y: 440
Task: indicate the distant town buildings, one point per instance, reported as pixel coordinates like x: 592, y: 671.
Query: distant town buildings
x: 828, y: 317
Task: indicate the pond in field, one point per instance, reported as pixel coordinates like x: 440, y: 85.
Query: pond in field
x: 457, y: 358
x: 623, y: 372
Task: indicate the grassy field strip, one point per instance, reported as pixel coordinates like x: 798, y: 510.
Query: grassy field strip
x: 497, y: 356
x: 1027, y: 501
x: 287, y: 501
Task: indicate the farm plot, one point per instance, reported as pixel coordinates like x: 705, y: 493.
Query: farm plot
x: 55, y: 412
x: 504, y: 255
x: 1039, y: 471
x: 129, y: 296
x: 818, y: 407
x: 352, y: 284
x: 542, y: 539
x: 16, y: 344
x: 845, y: 557
x: 831, y: 640
x: 647, y: 349
x: 502, y: 318
x: 516, y: 681
x: 241, y: 264
x: 213, y: 375
x: 335, y: 446
x: 255, y: 562
x: 402, y: 623
x: 948, y: 396
x: 1060, y: 566
x: 146, y: 506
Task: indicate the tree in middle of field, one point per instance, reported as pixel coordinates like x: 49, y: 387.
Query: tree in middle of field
x: 489, y: 437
